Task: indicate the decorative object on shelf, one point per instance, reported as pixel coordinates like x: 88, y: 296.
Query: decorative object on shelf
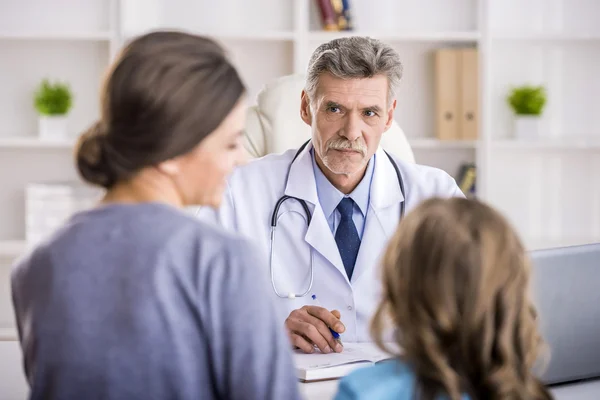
x: 49, y: 205
x: 342, y: 10
x: 335, y: 15
x: 456, y: 83
x: 53, y: 101
x: 466, y: 179
x: 527, y: 103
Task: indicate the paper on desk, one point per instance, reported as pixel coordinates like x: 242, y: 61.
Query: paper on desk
x: 353, y: 352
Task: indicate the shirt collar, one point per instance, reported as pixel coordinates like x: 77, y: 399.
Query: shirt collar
x: 330, y: 196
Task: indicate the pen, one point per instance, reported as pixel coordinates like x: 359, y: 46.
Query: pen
x: 336, y: 335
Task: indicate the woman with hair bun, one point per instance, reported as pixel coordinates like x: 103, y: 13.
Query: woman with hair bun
x: 136, y: 298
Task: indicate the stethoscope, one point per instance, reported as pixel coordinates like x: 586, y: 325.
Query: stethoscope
x: 308, y: 215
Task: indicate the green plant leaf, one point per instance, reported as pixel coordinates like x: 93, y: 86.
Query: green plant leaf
x: 527, y: 100
x: 53, y: 99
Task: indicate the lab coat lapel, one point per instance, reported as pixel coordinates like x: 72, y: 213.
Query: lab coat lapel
x: 302, y: 184
x: 383, y: 215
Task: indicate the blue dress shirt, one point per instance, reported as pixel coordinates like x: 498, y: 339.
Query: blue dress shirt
x: 330, y: 197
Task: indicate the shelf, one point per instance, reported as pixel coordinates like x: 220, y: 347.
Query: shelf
x: 8, y: 334
x: 548, y: 144
x: 238, y: 36
x: 12, y: 248
x: 34, y: 142
x: 273, y: 36
x: 548, y: 243
x: 70, y: 36
x: 451, y: 36
x: 441, y: 144
x: 554, y: 37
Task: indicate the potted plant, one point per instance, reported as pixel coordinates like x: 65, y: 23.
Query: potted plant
x: 53, y: 101
x: 527, y: 103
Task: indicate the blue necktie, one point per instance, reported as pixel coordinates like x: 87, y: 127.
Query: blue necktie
x: 346, y: 236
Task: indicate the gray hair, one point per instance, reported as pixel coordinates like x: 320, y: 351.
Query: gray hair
x: 354, y: 57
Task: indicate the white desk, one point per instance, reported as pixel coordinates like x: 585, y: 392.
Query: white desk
x: 589, y: 390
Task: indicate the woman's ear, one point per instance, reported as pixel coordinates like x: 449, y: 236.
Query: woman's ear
x: 169, y: 167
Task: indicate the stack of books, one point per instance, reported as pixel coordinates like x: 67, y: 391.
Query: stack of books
x: 335, y: 15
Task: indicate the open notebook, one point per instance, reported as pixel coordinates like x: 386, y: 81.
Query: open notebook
x: 319, y: 366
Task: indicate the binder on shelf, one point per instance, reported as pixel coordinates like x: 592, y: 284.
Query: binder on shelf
x: 446, y: 94
x: 456, y: 93
x: 469, y: 113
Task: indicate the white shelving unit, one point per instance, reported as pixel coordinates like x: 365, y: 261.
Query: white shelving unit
x: 12, y: 248
x: 549, y: 188
x: 33, y: 142
x: 555, y: 42
x: 8, y: 334
x: 67, y: 40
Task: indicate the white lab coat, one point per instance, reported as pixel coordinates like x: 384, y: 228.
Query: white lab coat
x: 248, y: 205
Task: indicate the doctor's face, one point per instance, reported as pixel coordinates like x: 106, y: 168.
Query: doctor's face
x: 348, y: 117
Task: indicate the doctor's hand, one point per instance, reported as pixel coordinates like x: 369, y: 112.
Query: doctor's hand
x: 310, y: 325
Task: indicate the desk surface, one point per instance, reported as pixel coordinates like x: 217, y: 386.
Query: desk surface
x: 588, y: 390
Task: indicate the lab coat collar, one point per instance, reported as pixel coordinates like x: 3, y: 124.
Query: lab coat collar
x: 302, y: 184
x: 382, y: 219
x: 301, y: 181
x: 385, y: 189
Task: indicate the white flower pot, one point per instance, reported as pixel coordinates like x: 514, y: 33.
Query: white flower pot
x: 53, y: 127
x: 527, y: 127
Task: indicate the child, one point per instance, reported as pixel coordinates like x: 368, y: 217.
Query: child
x: 456, y: 288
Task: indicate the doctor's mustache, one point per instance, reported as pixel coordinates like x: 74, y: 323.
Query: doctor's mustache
x: 345, y: 144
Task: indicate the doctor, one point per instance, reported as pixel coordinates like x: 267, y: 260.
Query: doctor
x: 337, y: 200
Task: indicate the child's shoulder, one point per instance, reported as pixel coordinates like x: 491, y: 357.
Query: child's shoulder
x: 392, y: 379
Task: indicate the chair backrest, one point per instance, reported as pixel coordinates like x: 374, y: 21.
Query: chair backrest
x: 274, y: 124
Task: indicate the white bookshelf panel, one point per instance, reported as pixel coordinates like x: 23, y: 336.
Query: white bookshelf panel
x: 407, y: 15
x: 549, y: 144
x: 569, y: 73
x: 7, y: 318
x: 53, y: 17
x: 549, y: 197
x: 515, y: 192
x: 80, y: 64
x: 266, y: 61
x: 411, y: 36
x: 11, y: 249
x: 548, y: 16
x: 415, y: 110
x: 448, y: 160
x: 24, y: 142
x: 240, y: 16
x: 19, y: 167
x: 579, y: 184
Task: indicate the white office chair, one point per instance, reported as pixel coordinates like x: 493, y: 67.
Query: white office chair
x: 274, y: 124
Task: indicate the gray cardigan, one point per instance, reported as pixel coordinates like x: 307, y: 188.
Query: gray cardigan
x: 143, y: 301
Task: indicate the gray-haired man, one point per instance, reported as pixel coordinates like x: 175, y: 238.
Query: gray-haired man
x: 346, y: 196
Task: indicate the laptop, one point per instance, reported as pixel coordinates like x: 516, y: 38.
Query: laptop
x: 566, y: 293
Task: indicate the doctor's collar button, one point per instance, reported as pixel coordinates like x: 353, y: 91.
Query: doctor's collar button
x: 350, y: 308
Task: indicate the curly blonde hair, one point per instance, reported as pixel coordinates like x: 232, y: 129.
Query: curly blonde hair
x: 455, y: 287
